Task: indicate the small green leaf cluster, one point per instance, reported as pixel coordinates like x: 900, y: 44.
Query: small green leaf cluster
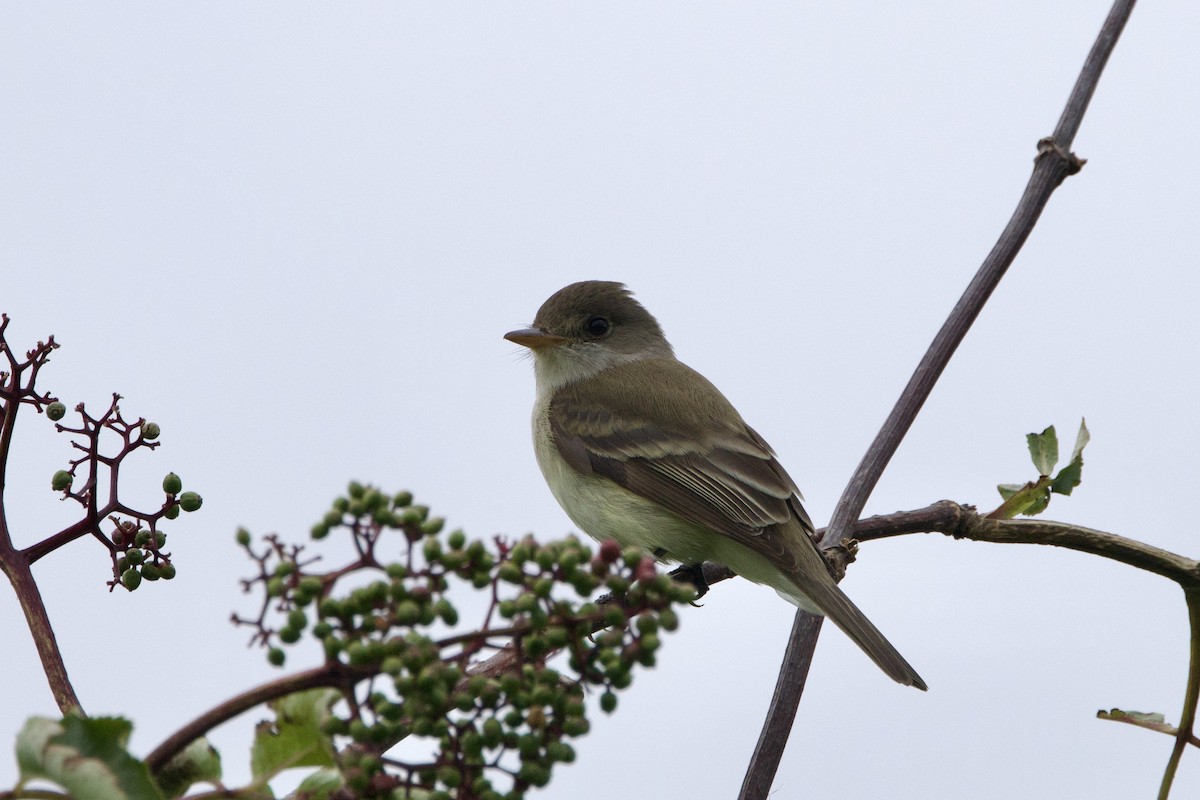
x: 85, y: 756
x: 498, y: 727
x: 1033, y: 497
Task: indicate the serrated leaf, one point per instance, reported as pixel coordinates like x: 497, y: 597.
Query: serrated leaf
x: 1081, y: 440
x: 86, y: 756
x: 1037, y: 502
x: 296, y: 738
x: 1043, y: 449
x: 319, y: 785
x: 1007, y: 490
x: 198, y: 763
x: 1068, y: 477
x: 1071, y: 475
x: 1030, y: 498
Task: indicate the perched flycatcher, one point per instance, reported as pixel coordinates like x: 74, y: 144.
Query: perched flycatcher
x: 638, y: 447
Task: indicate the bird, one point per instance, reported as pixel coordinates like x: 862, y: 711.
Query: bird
x: 640, y: 448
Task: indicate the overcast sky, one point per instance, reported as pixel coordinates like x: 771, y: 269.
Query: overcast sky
x: 294, y: 234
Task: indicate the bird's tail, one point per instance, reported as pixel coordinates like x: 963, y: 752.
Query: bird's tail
x: 843, y: 613
x: 819, y: 593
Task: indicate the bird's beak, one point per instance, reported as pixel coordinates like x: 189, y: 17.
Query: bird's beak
x: 534, y: 338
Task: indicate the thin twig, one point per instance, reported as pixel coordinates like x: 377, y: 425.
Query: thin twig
x: 333, y: 675
x: 1053, y: 164
x: 1188, y: 719
x: 1145, y: 722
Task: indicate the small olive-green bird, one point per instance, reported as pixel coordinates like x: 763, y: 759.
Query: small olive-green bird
x: 640, y: 448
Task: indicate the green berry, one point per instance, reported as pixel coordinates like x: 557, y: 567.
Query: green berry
x: 131, y: 579
x: 243, y: 537
x: 446, y: 611
x: 172, y: 483
x: 167, y: 571
x: 172, y: 512
x: 408, y: 612
x: 150, y: 431
x: 56, y: 411
x: 560, y: 751
x: 190, y: 501
x: 61, y: 481
x: 576, y: 726
x: 276, y: 656
x: 608, y: 702
x: 510, y: 573
x: 450, y: 776
x: 432, y: 550
x: 151, y: 572
x: 534, y: 774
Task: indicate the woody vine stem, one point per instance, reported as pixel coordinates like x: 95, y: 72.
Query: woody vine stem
x: 1053, y: 164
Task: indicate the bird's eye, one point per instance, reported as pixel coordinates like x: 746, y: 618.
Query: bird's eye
x: 597, y: 326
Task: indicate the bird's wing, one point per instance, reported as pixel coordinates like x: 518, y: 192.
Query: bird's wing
x: 684, y: 447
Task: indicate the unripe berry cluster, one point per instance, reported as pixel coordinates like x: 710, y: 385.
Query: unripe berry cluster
x: 498, y: 726
x: 138, y: 552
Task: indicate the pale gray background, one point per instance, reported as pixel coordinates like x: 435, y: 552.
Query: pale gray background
x: 294, y: 234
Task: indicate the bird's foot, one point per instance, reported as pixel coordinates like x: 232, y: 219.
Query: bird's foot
x: 693, y: 574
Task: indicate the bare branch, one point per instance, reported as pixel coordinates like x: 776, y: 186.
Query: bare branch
x: 334, y: 675
x: 1052, y: 165
x: 1188, y: 719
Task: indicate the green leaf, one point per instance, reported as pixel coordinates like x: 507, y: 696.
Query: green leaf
x: 1068, y: 478
x: 1007, y: 490
x: 1037, y: 502
x: 1071, y: 475
x: 1043, y: 449
x: 297, y: 737
x: 1081, y: 439
x: 320, y: 784
x: 86, y: 756
x: 198, y: 763
x: 1144, y: 717
x: 1030, y: 498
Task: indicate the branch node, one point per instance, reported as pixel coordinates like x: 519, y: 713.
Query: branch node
x: 964, y: 519
x: 840, y: 556
x: 1049, y: 147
